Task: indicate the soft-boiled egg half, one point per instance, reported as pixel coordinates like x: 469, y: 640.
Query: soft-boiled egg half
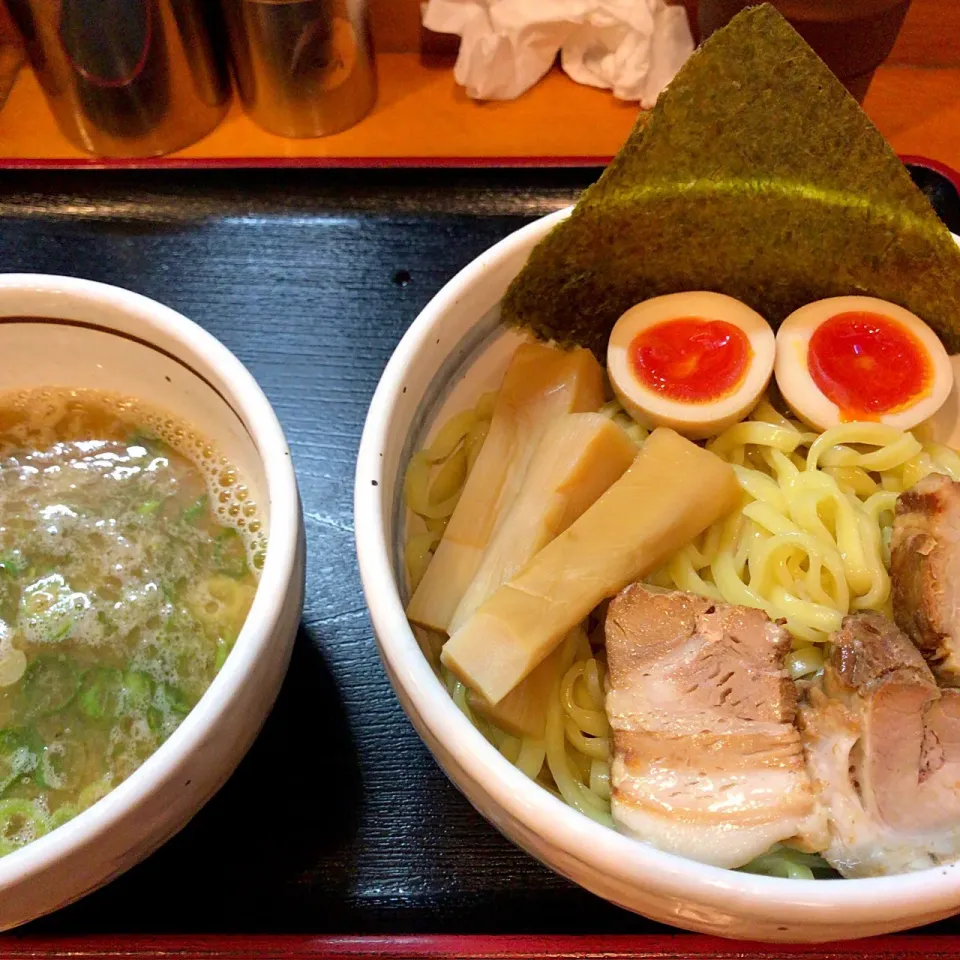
x: 697, y: 362
x: 860, y: 358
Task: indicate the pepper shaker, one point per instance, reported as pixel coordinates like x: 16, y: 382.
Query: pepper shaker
x: 304, y: 68
x: 127, y: 78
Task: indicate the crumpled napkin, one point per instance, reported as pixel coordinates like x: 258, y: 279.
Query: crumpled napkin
x: 632, y: 47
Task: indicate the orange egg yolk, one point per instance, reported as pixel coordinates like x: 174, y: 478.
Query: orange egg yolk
x: 868, y: 365
x: 691, y: 359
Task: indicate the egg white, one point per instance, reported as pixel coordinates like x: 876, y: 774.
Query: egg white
x: 805, y: 398
x: 694, y: 420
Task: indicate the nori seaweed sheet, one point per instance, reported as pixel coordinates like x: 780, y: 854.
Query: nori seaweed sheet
x: 756, y: 175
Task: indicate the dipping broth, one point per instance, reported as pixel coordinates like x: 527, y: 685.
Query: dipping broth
x: 129, y: 558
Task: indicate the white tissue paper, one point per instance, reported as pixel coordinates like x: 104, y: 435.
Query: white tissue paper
x: 632, y: 47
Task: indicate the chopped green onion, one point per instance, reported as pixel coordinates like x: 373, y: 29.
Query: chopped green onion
x: 224, y: 647
x: 193, y: 513
x: 170, y: 705
x: 100, y: 692
x: 62, y: 814
x: 93, y: 792
x: 13, y: 563
x: 21, y: 821
x: 20, y: 750
x: 149, y: 507
x: 61, y: 764
x: 49, y: 685
x: 172, y: 698
x: 138, y: 690
x: 230, y: 553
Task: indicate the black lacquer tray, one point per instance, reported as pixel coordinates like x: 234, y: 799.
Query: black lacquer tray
x: 338, y: 821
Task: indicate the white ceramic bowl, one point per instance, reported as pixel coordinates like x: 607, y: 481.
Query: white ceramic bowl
x: 451, y: 352
x: 75, y: 333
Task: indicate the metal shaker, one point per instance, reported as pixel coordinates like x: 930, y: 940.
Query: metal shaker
x: 304, y: 68
x: 127, y: 78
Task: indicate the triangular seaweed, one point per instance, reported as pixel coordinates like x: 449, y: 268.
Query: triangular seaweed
x: 756, y: 175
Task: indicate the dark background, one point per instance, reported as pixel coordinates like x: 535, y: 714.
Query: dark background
x: 338, y: 820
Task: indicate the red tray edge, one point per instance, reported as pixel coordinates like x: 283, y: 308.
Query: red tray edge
x: 533, y: 947
x: 307, y: 163
x: 943, y: 169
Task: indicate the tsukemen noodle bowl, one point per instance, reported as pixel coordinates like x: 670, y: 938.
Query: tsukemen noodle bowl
x: 435, y: 400
x: 664, y: 495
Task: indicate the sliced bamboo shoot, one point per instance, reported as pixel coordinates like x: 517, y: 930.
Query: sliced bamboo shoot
x: 580, y: 455
x: 541, y: 384
x: 673, y: 491
x: 523, y: 711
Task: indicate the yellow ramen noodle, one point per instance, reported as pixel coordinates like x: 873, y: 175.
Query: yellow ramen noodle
x: 809, y: 544
x: 811, y: 541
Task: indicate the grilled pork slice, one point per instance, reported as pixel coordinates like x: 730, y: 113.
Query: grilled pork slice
x: 925, y: 572
x: 707, y: 762
x: 883, y: 749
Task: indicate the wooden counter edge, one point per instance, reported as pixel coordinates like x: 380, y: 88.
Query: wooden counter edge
x: 423, y: 118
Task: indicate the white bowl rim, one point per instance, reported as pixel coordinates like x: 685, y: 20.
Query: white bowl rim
x: 923, y: 892
x: 279, y: 564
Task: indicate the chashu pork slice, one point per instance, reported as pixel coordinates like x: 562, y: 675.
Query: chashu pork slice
x: 883, y: 750
x: 707, y: 762
x: 925, y: 572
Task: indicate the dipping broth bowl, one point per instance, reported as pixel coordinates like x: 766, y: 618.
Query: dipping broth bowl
x: 60, y: 331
